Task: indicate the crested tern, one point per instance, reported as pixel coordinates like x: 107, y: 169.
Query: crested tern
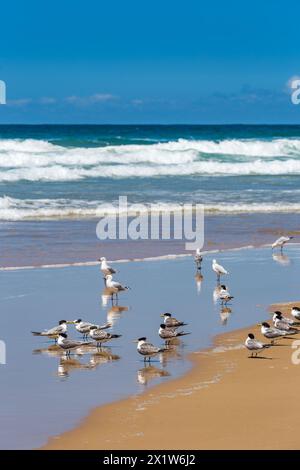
x: 172, y: 322
x: 101, y: 336
x: 255, y: 346
x: 68, y: 344
x: 84, y: 327
x: 147, y: 349
x: 168, y: 333
x: 54, y: 332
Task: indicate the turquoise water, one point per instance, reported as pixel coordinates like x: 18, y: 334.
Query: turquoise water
x: 77, y: 171
x: 43, y: 395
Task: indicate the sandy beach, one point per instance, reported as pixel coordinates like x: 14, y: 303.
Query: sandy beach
x: 227, y: 401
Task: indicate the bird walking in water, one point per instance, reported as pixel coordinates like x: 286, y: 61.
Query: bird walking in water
x: 101, y: 336
x: 218, y: 269
x: 114, y: 286
x: 54, y: 332
x: 68, y: 344
x: 198, y: 259
x: 84, y: 327
x: 280, y: 242
x: 168, y: 333
x: 146, y: 349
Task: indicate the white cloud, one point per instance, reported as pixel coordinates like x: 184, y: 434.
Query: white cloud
x: 19, y: 102
x: 92, y: 99
x: 47, y: 100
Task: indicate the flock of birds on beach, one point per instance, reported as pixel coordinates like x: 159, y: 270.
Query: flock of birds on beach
x: 170, y: 328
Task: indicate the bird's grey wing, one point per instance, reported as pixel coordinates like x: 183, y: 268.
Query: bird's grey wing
x: 149, y: 348
x: 55, y: 330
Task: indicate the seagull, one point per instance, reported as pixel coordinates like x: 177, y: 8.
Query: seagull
x: 105, y: 268
x: 218, y: 269
x: 69, y: 344
x: 287, y: 320
x: 101, y: 336
x: 271, y: 332
x: 280, y: 242
x: 172, y: 322
x: 84, y: 327
x: 255, y: 346
x: 295, y: 311
x: 114, y: 286
x: 54, y: 332
x: 224, y: 295
x: 198, y: 258
x: 167, y: 333
x: 146, y: 349
x: 280, y: 324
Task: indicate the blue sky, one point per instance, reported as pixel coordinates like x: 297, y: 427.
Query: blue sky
x: 149, y: 62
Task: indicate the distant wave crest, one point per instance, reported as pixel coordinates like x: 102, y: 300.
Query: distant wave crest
x: 13, y: 209
x: 39, y: 160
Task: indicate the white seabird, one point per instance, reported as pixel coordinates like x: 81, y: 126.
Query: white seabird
x: 255, y: 346
x: 282, y: 325
x: 218, y: 269
x: 172, y: 322
x: 224, y: 294
x: 84, y: 327
x: 198, y: 258
x: 272, y: 332
x: 280, y: 242
x: 114, y: 286
x: 101, y: 336
x: 54, y: 332
x: 146, y: 349
x: 69, y: 344
x: 167, y: 333
x: 105, y: 268
x: 295, y: 312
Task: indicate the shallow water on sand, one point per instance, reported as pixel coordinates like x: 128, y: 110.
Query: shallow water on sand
x: 42, y: 394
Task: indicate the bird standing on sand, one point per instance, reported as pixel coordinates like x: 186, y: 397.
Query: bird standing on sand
x: 218, y: 269
x: 114, y: 286
x: 255, y: 346
x: 146, y: 349
x: 272, y: 332
x: 101, y: 336
x: 278, y: 315
x: 68, y: 344
x: 84, y: 327
x: 172, y: 322
x: 280, y: 242
x: 295, y: 312
x: 280, y: 324
x: 167, y: 333
x: 54, y: 332
x: 198, y: 258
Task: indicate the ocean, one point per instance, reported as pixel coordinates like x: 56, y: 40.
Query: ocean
x: 61, y: 173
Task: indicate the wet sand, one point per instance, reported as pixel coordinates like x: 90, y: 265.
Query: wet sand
x: 226, y: 401
x: 50, y: 242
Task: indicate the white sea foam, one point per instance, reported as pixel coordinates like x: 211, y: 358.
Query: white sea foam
x: 12, y: 209
x: 38, y: 160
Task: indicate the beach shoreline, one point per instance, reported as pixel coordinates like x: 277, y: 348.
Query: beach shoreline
x: 202, y: 402
x: 65, y: 242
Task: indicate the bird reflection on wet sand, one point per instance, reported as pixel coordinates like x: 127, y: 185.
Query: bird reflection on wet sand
x: 115, y: 313
x: 225, y: 313
x: 199, y: 279
x: 150, y: 372
x: 279, y: 258
x: 97, y: 357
